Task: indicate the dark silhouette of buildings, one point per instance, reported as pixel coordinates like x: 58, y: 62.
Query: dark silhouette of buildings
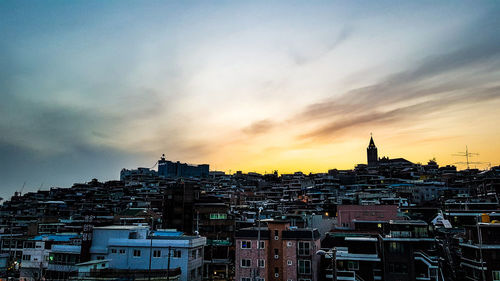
x: 371, y: 153
x: 169, y: 169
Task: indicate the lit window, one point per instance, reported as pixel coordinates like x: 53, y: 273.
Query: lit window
x: 218, y: 216
x: 246, y: 244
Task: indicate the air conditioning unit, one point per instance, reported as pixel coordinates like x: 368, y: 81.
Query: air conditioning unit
x: 276, y: 257
x: 276, y: 238
x: 276, y: 275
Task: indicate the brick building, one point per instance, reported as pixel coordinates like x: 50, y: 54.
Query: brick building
x: 284, y: 253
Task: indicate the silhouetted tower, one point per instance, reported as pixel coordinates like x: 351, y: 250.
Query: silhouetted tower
x: 371, y: 153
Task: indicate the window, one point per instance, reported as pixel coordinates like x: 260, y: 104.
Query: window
x: 259, y: 279
x: 246, y: 244
x: 137, y: 253
x: 246, y: 263
x: 420, y: 232
x: 218, y: 216
x: 26, y: 257
x: 246, y: 279
x: 198, y: 253
x: 396, y: 248
x: 177, y: 253
x: 304, y: 248
x: 352, y: 265
x: 304, y: 267
x: 496, y: 275
x: 262, y: 263
x: 122, y: 251
x: 262, y: 245
x: 193, y: 254
x: 398, y: 268
x: 113, y: 251
x: 156, y: 253
x: 289, y: 262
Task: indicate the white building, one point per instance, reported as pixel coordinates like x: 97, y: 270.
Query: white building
x: 36, y: 252
x: 133, y: 248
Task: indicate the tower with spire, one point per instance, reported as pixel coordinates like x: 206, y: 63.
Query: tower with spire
x: 371, y: 153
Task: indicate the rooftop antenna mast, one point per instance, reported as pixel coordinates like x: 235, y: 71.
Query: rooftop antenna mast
x: 467, y: 154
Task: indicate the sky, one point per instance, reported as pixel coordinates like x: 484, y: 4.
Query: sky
x: 90, y: 87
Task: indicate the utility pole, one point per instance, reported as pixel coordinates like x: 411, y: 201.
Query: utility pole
x: 257, y: 271
x: 480, y: 249
x: 150, y: 252
x: 168, y: 263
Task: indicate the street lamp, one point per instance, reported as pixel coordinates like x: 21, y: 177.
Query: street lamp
x: 333, y: 255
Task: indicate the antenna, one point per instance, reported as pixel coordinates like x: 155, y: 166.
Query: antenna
x: 22, y: 188
x: 466, y: 154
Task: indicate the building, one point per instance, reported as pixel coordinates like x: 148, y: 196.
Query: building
x: 215, y: 222
x: 371, y: 153
x: 62, y: 262
x: 178, y: 206
x: 357, y: 257
x: 408, y: 251
x: 347, y: 215
x: 36, y: 253
x: 480, y: 259
x: 277, y: 252
x: 169, y: 169
x: 135, y: 248
x: 138, y: 174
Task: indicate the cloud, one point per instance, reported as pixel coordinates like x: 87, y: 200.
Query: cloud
x: 330, y: 44
x: 404, y: 114
x: 259, y: 127
x: 438, y: 82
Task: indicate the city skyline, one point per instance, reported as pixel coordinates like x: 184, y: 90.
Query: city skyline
x: 89, y: 88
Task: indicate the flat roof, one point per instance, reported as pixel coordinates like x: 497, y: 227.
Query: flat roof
x: 370, y: 239
x: 121, y: 227
x: 92, y: 262
x: 414, y: 222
